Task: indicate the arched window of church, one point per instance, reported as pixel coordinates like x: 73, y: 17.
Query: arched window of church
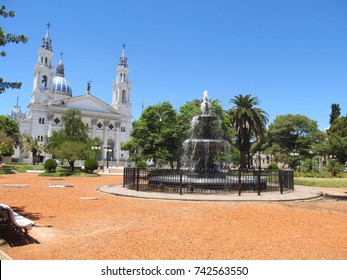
x: 124, y: 96
x: 46, y: 60
x: 44, y: 82
x: 41, y: 60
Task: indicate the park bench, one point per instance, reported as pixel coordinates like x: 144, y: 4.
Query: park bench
x: 15, y: 221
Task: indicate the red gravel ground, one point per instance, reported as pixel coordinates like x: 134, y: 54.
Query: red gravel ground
x: 81, y: 223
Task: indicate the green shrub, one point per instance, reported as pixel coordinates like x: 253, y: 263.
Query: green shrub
x: 90, y: 165
x: 334, y: 167
x: 273, y: 166
x: 50, y: 165
x: 141, y: 164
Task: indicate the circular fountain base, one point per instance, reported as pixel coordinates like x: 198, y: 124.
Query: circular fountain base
x: 195, y: 181
x: 212, y: 175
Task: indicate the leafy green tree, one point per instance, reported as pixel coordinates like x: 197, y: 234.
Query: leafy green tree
x: 6, y: 38
x: 155, y: 134
x: 248, y: 124
x: 292, y: 137
x: 10, y: 127
x: 336, y: 144
x: 334, y: 167
x: 72, y: 142
x: 74, y: 128
x: 133, y: 147
x: 335, y: 112
x: 6, y: 145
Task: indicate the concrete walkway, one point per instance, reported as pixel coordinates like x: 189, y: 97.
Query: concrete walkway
x: 300, y: 193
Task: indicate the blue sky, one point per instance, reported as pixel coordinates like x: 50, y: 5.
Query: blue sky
x: 292, y: 55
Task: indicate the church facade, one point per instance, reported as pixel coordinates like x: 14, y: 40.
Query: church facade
x: 52, y: 96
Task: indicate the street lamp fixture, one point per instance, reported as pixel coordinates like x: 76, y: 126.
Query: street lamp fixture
x: 96, y: 148
x: 108, y: 150
x: 294, y: 154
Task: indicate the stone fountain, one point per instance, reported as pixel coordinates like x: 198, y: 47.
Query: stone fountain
x: 205, y: 145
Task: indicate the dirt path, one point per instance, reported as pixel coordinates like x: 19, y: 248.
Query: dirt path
x: 80, y: 223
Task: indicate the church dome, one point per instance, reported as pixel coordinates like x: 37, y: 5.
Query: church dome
x: 60, y: 85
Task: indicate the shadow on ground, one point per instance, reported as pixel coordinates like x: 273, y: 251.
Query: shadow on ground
x: 14, y: 238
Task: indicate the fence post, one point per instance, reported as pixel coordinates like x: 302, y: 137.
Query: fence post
x: 239, y: 182
x: 280, y: 180
x: 133, y: 177
x: 124, y: 176
x: 259, y: 178
x: 137, y: 179
x: 181, y: 181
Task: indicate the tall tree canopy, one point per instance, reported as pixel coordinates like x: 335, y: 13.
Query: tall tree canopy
x: 335, y: 112
x: 248, y: 123
x: 155, y: 134
x: 72, y: 142
x: 6, y: 145
x: 337, y: 140
x: 292, y: 136
x: 6, y: 38
x: 10, y: 128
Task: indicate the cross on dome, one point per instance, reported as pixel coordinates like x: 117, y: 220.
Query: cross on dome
x: 60, y: 67
x: 123, y: 61
x: 46, y: 41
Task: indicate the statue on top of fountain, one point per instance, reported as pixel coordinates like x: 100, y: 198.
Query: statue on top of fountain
x: 205, y: 106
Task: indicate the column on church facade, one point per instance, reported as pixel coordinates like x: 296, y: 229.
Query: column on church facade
x: 105, y: 134
x: 117, y: 139
x: 93, y: 130
x: 50, y: 125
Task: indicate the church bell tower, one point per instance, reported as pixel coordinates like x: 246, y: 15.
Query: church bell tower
x: 44, y: 69
x: 122, y: 87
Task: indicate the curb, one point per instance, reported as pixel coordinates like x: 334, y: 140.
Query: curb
x: 299, y: 194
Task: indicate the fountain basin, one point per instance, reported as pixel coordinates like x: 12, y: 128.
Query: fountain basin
x: 218, y: 182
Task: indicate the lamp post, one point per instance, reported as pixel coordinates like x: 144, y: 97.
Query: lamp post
x: 108, y: 150
x: 294, y: 154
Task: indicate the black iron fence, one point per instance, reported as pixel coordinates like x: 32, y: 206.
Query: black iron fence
x: 231, y: 181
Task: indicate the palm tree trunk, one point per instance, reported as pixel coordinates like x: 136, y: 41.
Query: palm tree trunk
x: 244, y: 151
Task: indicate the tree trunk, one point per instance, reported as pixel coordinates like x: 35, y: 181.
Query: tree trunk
x: 72, y: 165
x: 244, y: 151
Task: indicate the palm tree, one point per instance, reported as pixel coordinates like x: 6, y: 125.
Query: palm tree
x: 30, y: 145
x: 248, y: 123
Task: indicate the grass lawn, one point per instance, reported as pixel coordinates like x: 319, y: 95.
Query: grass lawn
x: 66, y: 174
x: 321, y: 182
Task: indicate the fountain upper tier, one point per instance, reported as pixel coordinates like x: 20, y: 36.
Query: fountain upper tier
x: 205, y: 144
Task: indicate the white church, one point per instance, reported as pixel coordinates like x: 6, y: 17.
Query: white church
x: 52, y: 97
